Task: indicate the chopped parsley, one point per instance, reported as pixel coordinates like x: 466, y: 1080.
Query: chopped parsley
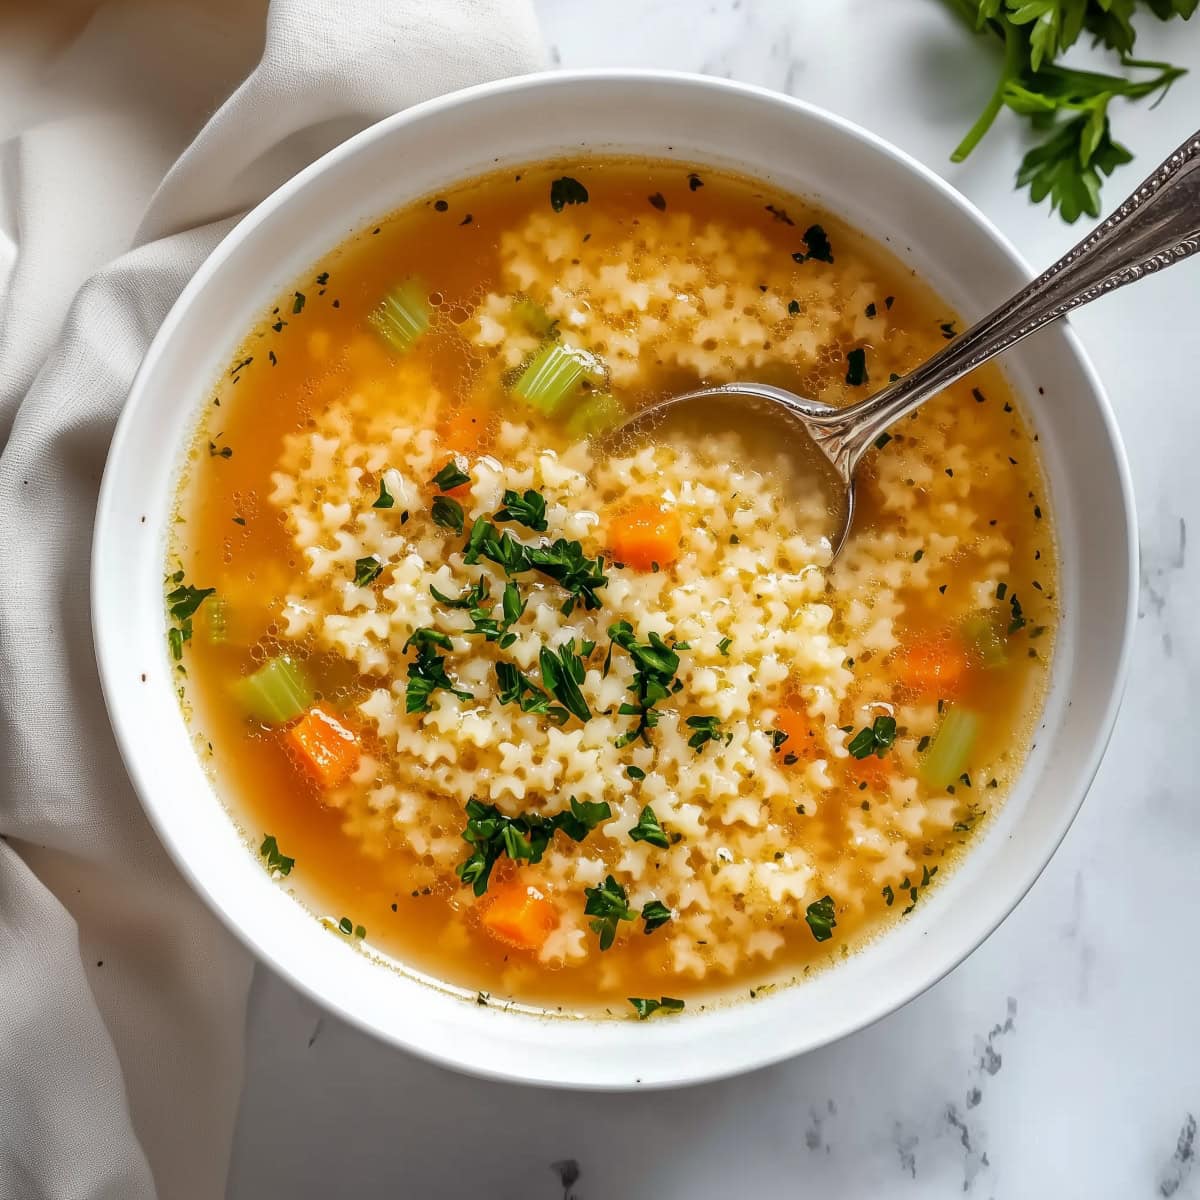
x: 648, y: 1007
x: 1018, y: 616
x: 427, y: 672
x: 649, y: 830
x: 366, y: 570
x: 275, y: 861
x: 450, y: 477
x: 724, y: 644
x: 658, y: 201
x: 820, y: 918
x: 875, y: 740
x: 608, y: 904
x: 794, y: 308
x: 856, y: 367
x: 348, y: 927
x: 182, y: 602
x: 562, y: 673
x: 297, y: 303
x: 448, y: 513
x: 528, y: 510
x: 517, y: 688
x: 566, y: 191
x: 655, y: 914
x: 707, y: 729
x: 655, y: 664
x: 577, y: 574
x: 386, y: 499
x: 491, y: 834
x: 215, y: 451
x: 635, y: 772
x: 816, y: 246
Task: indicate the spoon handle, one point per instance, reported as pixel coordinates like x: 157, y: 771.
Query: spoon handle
x: 1155, y: 228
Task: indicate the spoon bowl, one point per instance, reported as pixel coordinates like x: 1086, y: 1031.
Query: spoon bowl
x: 1156, y: 227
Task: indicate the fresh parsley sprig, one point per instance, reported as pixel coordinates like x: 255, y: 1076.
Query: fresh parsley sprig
x: 1069, y: 107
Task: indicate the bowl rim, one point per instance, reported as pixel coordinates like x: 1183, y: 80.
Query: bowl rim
x: 755, y: 1056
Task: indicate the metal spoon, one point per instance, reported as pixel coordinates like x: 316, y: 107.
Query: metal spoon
x: 1156, y: 227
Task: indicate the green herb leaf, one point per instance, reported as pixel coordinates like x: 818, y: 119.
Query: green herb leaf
x: 427, y: 672
x: 816, y: 242
x: 448, y: 513
x: 655, y: 666
x: 856, y: 367
x: 562, y: 673
x: 655, y: 914
x: 649, y: 830
x: 648, y: 1007
x: 275, y: 860
x: 566, y: 191
x: 724, y: 644
x: 366, y: 570
x: 707, y: 729
x: 875, y: 740
x: 821, y: 919
x: 450, y: 477
x: 386, y: 500
x: 528, y: 510
x: 609, y: 905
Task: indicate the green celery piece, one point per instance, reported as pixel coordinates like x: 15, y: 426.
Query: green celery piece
x: 986, y: 632
x: 402, y: 315
x: 278, y: 692
x: 946, y: 758
x: 553, y: 377
x: 597, y: 414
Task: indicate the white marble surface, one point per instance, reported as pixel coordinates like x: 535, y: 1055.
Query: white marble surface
x: 1061, y: 1059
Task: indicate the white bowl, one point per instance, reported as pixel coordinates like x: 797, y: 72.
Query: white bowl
x: 796, y: 148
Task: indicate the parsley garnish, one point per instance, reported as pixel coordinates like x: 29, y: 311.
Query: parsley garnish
x: 1018, y: 617
x: 579, y: 575
x: 566, y: 191
x: 856, y: 367
x: 427, y: 672
x: 182, y: 602
x: 275, y: 861
x: 448, y: 513
x: 609, y: 905
x: 471, y: 597
x: 504, y: 550
x: 648, y: 1007
x: 816, y: 243
x: 366, y: 570
x: 649, y: 830
x: 450, y: 477
x: 386, y: 500
x: 708, y: 729
x: 492, y: 834
x: 820, y: 918
x: 724, y: 644
x: 562, y: 673
x: 655, y: 664
x: 517, y: 688
x: 297, y: 303
x: 655, y: 914
x: 528, y: 510
x: 875, y: 740
x: 348, y: 927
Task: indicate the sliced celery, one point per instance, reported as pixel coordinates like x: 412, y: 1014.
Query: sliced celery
x: 216, y: 621
x: 402, y: 315
x: 987, y: 632
x: 597, y: 414
x: 950, y: 749
x: 553, y: 376
x: 276, y: 693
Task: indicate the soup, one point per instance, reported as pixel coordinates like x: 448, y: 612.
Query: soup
x: 590, y: 724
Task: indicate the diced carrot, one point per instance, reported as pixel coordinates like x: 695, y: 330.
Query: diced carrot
x: 936, y: 665
x: 326, y: 748
x: 874, y: 771
x: 467, y: 430
x: 645, y: 535
x: 800, y: 743
x: 519, y: 914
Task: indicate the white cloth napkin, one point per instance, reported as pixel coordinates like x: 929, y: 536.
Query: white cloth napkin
x: 121, y: 998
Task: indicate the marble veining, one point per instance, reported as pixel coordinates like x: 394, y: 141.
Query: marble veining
x: 1060, y: 1060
